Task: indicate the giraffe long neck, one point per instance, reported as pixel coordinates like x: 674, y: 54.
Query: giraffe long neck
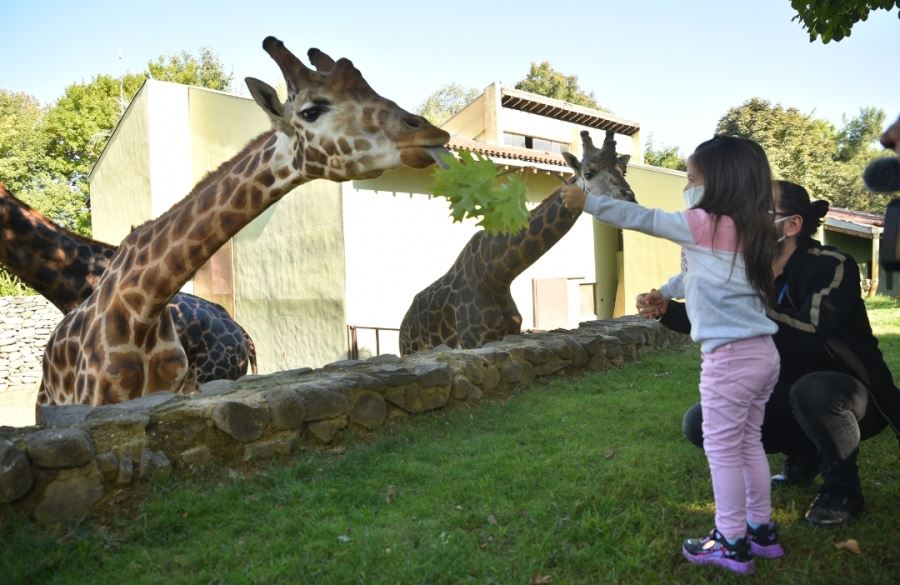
x: 62, y: 266
x: 506, y: 256
x: 159, y: 257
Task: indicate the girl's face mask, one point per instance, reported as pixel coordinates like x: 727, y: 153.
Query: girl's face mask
x: 692, y: 196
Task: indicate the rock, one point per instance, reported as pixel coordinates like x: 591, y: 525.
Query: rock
x: 66, y: 415
x: 242, y: 422
x: 324, y: 430
x: 153, y: 461
x: 200, y: 455
x: 218, y: 387
x: 268, y: 449
x: 368, y: 411
x: 287, y: 407
x: 58, y: 448
x: 70, y: 495
x: 323, y: 403
x: 15, y: 473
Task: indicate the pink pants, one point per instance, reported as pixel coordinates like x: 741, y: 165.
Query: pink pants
x: 736, y: 380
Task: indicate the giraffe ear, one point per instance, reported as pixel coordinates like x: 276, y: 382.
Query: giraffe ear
x: 622, y: 162
x: 266, y: 96
x: 572, y: 161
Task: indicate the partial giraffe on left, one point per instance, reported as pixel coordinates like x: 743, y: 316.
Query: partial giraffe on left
x: 121, y: 343
x: 65, y: 267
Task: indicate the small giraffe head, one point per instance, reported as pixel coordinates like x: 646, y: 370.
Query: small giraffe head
x: 339, y: 127
x: 601, y: 171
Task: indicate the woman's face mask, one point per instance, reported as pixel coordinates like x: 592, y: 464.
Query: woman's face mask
x: 780, y: 230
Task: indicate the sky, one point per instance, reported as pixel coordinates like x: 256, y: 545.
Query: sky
x: 673, y: 67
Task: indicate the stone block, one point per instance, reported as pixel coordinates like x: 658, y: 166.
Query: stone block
x: 59, y: 448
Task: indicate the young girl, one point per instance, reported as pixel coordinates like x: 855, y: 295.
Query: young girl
x: 728, y: 240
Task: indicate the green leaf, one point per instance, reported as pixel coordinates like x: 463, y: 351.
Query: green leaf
x: 474, y: 188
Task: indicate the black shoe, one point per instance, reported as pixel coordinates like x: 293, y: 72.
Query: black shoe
x: 834, y: 508
x: 800, y: 470
x: 764, y: 541
x: 715, y: 550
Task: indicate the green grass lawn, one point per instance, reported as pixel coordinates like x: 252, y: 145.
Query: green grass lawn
x: 582, y: 480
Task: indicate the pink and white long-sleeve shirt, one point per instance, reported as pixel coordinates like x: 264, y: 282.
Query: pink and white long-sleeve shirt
x: 720, y: 302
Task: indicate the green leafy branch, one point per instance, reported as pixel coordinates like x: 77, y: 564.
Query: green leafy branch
x: 475, y: 188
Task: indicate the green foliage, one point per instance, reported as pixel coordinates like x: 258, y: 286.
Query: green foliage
x: 446, y: 102
x: 543, y: 79
x: 46, y: 154
x: 205, y: 71
x: 11, y: 286
x: 472, y: 186
x: 21, y: 139
x: 834, y: 20
x: 811, y: 152
x: 667, y: 157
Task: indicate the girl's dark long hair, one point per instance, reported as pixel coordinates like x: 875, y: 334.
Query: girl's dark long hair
x: 737, y: 182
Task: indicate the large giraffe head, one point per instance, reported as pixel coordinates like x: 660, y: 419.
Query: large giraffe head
x: 601, y: 171
x: 337, y: 126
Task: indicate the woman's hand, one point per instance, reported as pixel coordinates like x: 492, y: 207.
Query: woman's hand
x: 573, y: 197
x: 652, y: 305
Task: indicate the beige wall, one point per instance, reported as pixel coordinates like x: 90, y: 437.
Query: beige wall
x: 650, y: 261
x: 120, y: 182
x: 288, y: 262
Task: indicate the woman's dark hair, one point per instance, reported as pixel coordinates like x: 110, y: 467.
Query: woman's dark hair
x: 737, y: 182
x: 794, y: 200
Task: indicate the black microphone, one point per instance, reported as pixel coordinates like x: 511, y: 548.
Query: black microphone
x: 883, y: 175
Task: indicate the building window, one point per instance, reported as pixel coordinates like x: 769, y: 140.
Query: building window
x: 514, y: 140
x: 532, y: 143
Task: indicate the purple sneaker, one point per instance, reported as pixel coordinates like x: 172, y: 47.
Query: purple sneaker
x: 764, y: 541
x: 715, y: 550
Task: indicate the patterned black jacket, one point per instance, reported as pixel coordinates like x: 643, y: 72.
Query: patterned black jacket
x: 822, y: 325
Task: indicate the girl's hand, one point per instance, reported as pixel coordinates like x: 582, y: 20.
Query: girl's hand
x: 573, y: 197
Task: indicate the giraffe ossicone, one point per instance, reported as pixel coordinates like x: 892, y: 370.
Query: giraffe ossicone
x: 121, y: 343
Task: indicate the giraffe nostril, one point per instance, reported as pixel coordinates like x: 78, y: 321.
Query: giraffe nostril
x: 413, y: 122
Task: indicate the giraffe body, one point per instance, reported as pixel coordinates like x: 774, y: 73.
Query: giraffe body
x: 472, y: 304
x: 121, y: 343
x: 65, y: 267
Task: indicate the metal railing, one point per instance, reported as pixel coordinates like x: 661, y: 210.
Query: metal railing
x: 353, y: 341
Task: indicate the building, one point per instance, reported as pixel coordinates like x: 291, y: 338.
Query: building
x: 331, y: 258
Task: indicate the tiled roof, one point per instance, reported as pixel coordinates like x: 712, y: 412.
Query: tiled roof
x: 857, y: 217
x: 533, y: 103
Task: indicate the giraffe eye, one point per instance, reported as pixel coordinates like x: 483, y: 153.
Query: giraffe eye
x: 589, y: 175
x: 311, y: 114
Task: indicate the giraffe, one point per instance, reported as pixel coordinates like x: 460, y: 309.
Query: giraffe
x: 472, y: 304
x: 119, y: 343
x: 64, y: 267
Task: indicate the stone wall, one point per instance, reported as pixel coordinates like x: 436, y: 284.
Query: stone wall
x: 25, y: 325
x: 79, y: 458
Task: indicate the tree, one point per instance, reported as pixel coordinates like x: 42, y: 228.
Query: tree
x: 544, y: 80
x: 21, y: 139
x: 667, y: 157
x: 446, y: 102
x: 207, y: 71
x: 810, y: 151
x: 833, y: 20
